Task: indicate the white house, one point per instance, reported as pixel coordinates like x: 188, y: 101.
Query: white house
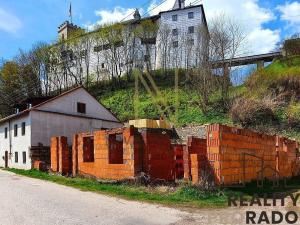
x: 64, y: 115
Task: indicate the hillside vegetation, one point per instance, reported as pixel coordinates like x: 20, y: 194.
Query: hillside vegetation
x: 268, y: 101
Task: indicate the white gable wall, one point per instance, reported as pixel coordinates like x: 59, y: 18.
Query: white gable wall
x: 68, y: 104
x: 46, y: 125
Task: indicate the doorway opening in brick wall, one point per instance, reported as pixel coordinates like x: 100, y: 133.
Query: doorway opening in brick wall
x: 115, y: 149
x: 88, y: 149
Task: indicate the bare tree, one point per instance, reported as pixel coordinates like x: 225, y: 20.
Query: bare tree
x: 164, y: 45
x: 215, y: 49
x: 227, y: 39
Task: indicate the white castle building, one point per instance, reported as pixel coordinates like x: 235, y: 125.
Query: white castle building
x: 175, y: 43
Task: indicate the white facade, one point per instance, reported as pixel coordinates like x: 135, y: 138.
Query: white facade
x: 169, y: 50
x: 56, y: 117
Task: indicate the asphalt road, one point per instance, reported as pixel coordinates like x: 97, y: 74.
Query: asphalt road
x: 26, y: 201
x: 34, y: 202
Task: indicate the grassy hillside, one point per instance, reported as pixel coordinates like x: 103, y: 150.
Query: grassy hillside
x: 268, y: 101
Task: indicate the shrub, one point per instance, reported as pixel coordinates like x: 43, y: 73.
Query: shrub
x: 293, y: 113
x: 248, y: 112
x: 292, y: 46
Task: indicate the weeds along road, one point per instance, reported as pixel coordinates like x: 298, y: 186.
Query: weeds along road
x: 27, y: 201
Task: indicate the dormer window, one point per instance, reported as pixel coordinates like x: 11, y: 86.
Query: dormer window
x: 81, y: 107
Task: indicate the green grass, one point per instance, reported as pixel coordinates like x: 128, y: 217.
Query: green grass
x: 183, y: 196
x: 270, y: 81
x: 121, y: 102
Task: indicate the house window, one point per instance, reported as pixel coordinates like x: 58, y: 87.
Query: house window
x: 174, y: 18
x: 191, y: 15
x: 16, y: 157
x: 24, y: 157
x: 175, y: 44
x: 5, y: 132
x: 191, y: 30
x: 175, y: 32
x: 23, y: 128
x: 16, y: 130
x: 81, y: 107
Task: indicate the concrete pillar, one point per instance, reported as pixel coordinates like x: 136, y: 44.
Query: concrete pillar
x: 260, y: 64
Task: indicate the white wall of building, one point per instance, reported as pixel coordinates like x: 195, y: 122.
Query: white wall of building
x: 46, y: 125
x: 68, y: 104
x: 181, y: 56
x: 58, y: 117
x: 20, y: 143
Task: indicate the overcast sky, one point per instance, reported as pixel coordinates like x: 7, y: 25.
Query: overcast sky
x: 25, y: 22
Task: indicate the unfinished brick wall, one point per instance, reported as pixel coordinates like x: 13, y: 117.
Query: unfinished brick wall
x: 158, y: 155
x: 194, y: 146
x: 100, y: 167
x: 54, y: 154
x: 179, y: 168
x: 240, y: 155
x: 61, y: 160
x: 287, y: 162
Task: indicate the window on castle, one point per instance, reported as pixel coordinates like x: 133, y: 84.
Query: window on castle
x: 150, y: 41
x: 191, y: 15
x: 146, y: 58
x: 191, y: 42
x: 175, y: 44
x: 175, y: 32
x: 102, y: 65
x: 191, y: 30
x: 174, y: 18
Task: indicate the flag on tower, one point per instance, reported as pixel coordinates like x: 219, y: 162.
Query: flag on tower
x: 70, y: 11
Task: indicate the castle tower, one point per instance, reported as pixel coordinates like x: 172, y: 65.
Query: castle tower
x: 179, y: 4
x: 65, y: 30
x: 137, y: 15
